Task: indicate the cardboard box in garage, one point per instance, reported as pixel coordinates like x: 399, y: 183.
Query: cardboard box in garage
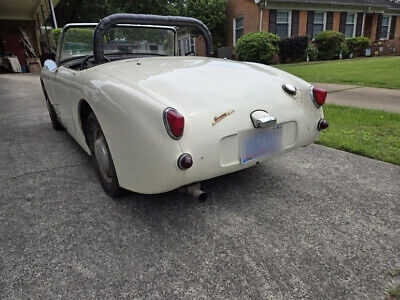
x: 34, y: 65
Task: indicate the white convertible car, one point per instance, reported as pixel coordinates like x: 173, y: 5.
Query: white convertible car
x: 154, y: 121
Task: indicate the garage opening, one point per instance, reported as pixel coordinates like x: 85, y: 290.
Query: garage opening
x: 26, y: 38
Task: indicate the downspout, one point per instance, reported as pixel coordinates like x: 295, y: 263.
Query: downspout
x: 262, y: 4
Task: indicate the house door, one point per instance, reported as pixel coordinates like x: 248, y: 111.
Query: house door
x: 12, y: 43
x: 368, y: 26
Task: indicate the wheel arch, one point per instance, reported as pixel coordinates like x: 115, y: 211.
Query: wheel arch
x: 84, y: 109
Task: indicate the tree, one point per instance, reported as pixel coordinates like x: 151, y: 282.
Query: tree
x: 211, y: 13
x: 69, y: 11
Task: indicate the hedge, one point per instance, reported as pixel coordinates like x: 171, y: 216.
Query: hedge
x: 312, y: 53
x: 358, y: 45
x: 329, y: 43
x: 260, y: 47
x: 293, y: 49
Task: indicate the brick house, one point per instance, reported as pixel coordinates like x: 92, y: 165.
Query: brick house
x: 378, y: 20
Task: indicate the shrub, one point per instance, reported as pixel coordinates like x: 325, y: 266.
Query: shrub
x: 329, y: 44
x: 358, y: 45
x: 312, y: 53
x: 293, y: 49
x: 258, y: 47
x: 344, y: 50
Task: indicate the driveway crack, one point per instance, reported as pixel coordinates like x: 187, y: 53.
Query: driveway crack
x: 47, y: 169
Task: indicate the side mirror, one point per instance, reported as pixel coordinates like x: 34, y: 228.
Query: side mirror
x: 50, y: 65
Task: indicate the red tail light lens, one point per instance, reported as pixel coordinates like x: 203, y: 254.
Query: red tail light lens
x: 318, y: 96
x: 185, y: 161
x: 174, y: 123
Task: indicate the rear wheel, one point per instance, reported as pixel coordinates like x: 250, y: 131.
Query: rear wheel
x: 53, y: 115
x: 102, y: 157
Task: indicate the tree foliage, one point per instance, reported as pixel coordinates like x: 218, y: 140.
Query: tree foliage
x: 210, y: 12
x: 69, y: 11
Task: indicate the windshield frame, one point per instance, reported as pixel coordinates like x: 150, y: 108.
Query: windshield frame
x: 88, y: 25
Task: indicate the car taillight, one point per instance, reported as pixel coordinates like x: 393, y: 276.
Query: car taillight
x: 318, y: 96
x: 174, y: 123
x: 185, y: 161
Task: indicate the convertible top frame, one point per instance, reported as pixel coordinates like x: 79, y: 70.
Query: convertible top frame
x: 106, y: 23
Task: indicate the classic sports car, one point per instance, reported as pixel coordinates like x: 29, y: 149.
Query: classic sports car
x: 154, y: 121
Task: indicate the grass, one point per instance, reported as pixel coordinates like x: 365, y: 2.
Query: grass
x: 383, y: 72
x: 394, y: 293
x: 367, y: 132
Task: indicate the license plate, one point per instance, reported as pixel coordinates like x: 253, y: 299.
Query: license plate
x: 259, y: 143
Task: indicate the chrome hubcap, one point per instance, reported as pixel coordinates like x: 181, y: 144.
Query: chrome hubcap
x: 102, y: 157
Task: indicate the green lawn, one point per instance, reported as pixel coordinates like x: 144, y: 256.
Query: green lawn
x: 381, y: 72
x: 367, y: 132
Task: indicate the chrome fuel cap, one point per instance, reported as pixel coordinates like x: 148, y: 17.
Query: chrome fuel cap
x: 290, y: 89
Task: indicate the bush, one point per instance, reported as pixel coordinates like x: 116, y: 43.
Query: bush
x: 293, y: 49
x: 258, y: 47
x: 312, y: 53
x: 329, y: 44
x: 358, y: 45
x: 345, y: 52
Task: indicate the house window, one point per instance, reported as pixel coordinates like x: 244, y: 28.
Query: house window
x: 319, y: 23
x: 350, y: 25
x: 238, y: 24
x: 385, y: 27
x: 283, y: 20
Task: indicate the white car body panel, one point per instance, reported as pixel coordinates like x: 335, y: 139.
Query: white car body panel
x: 128, y: 98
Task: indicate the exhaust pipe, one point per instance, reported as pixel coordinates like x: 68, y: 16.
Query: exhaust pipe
x: 195, y: 191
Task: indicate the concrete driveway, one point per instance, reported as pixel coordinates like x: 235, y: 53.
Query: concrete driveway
x: 316, y: 223
x: 364, y: 97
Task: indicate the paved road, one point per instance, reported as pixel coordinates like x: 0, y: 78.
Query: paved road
x: 365, y: 97
x: 316, y: 223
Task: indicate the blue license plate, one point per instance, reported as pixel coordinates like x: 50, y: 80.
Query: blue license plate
x: 259, y: 143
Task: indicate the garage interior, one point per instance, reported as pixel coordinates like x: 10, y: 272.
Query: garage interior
x: 25, y: 34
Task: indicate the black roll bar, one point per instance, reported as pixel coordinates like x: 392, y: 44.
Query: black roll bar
x: 107, y: 22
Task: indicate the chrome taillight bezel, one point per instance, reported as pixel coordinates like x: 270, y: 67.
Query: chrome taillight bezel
x: 313, y: 98
x: 166, y: 125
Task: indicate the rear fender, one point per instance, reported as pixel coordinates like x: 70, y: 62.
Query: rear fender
x: 144, y: 155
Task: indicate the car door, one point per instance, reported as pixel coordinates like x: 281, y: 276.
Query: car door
x: 62, y: 96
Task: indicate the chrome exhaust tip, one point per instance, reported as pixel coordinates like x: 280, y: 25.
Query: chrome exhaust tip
x: 195, y: 191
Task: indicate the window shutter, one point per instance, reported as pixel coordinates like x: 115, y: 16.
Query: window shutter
x: 272, y: 21
x: 295, y: 23
x: 392, y: 27
x: 379, y: 27
x: 343, y: 17
x: 310, y: 23
x: 360, y: 18
x: 329, y: 20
